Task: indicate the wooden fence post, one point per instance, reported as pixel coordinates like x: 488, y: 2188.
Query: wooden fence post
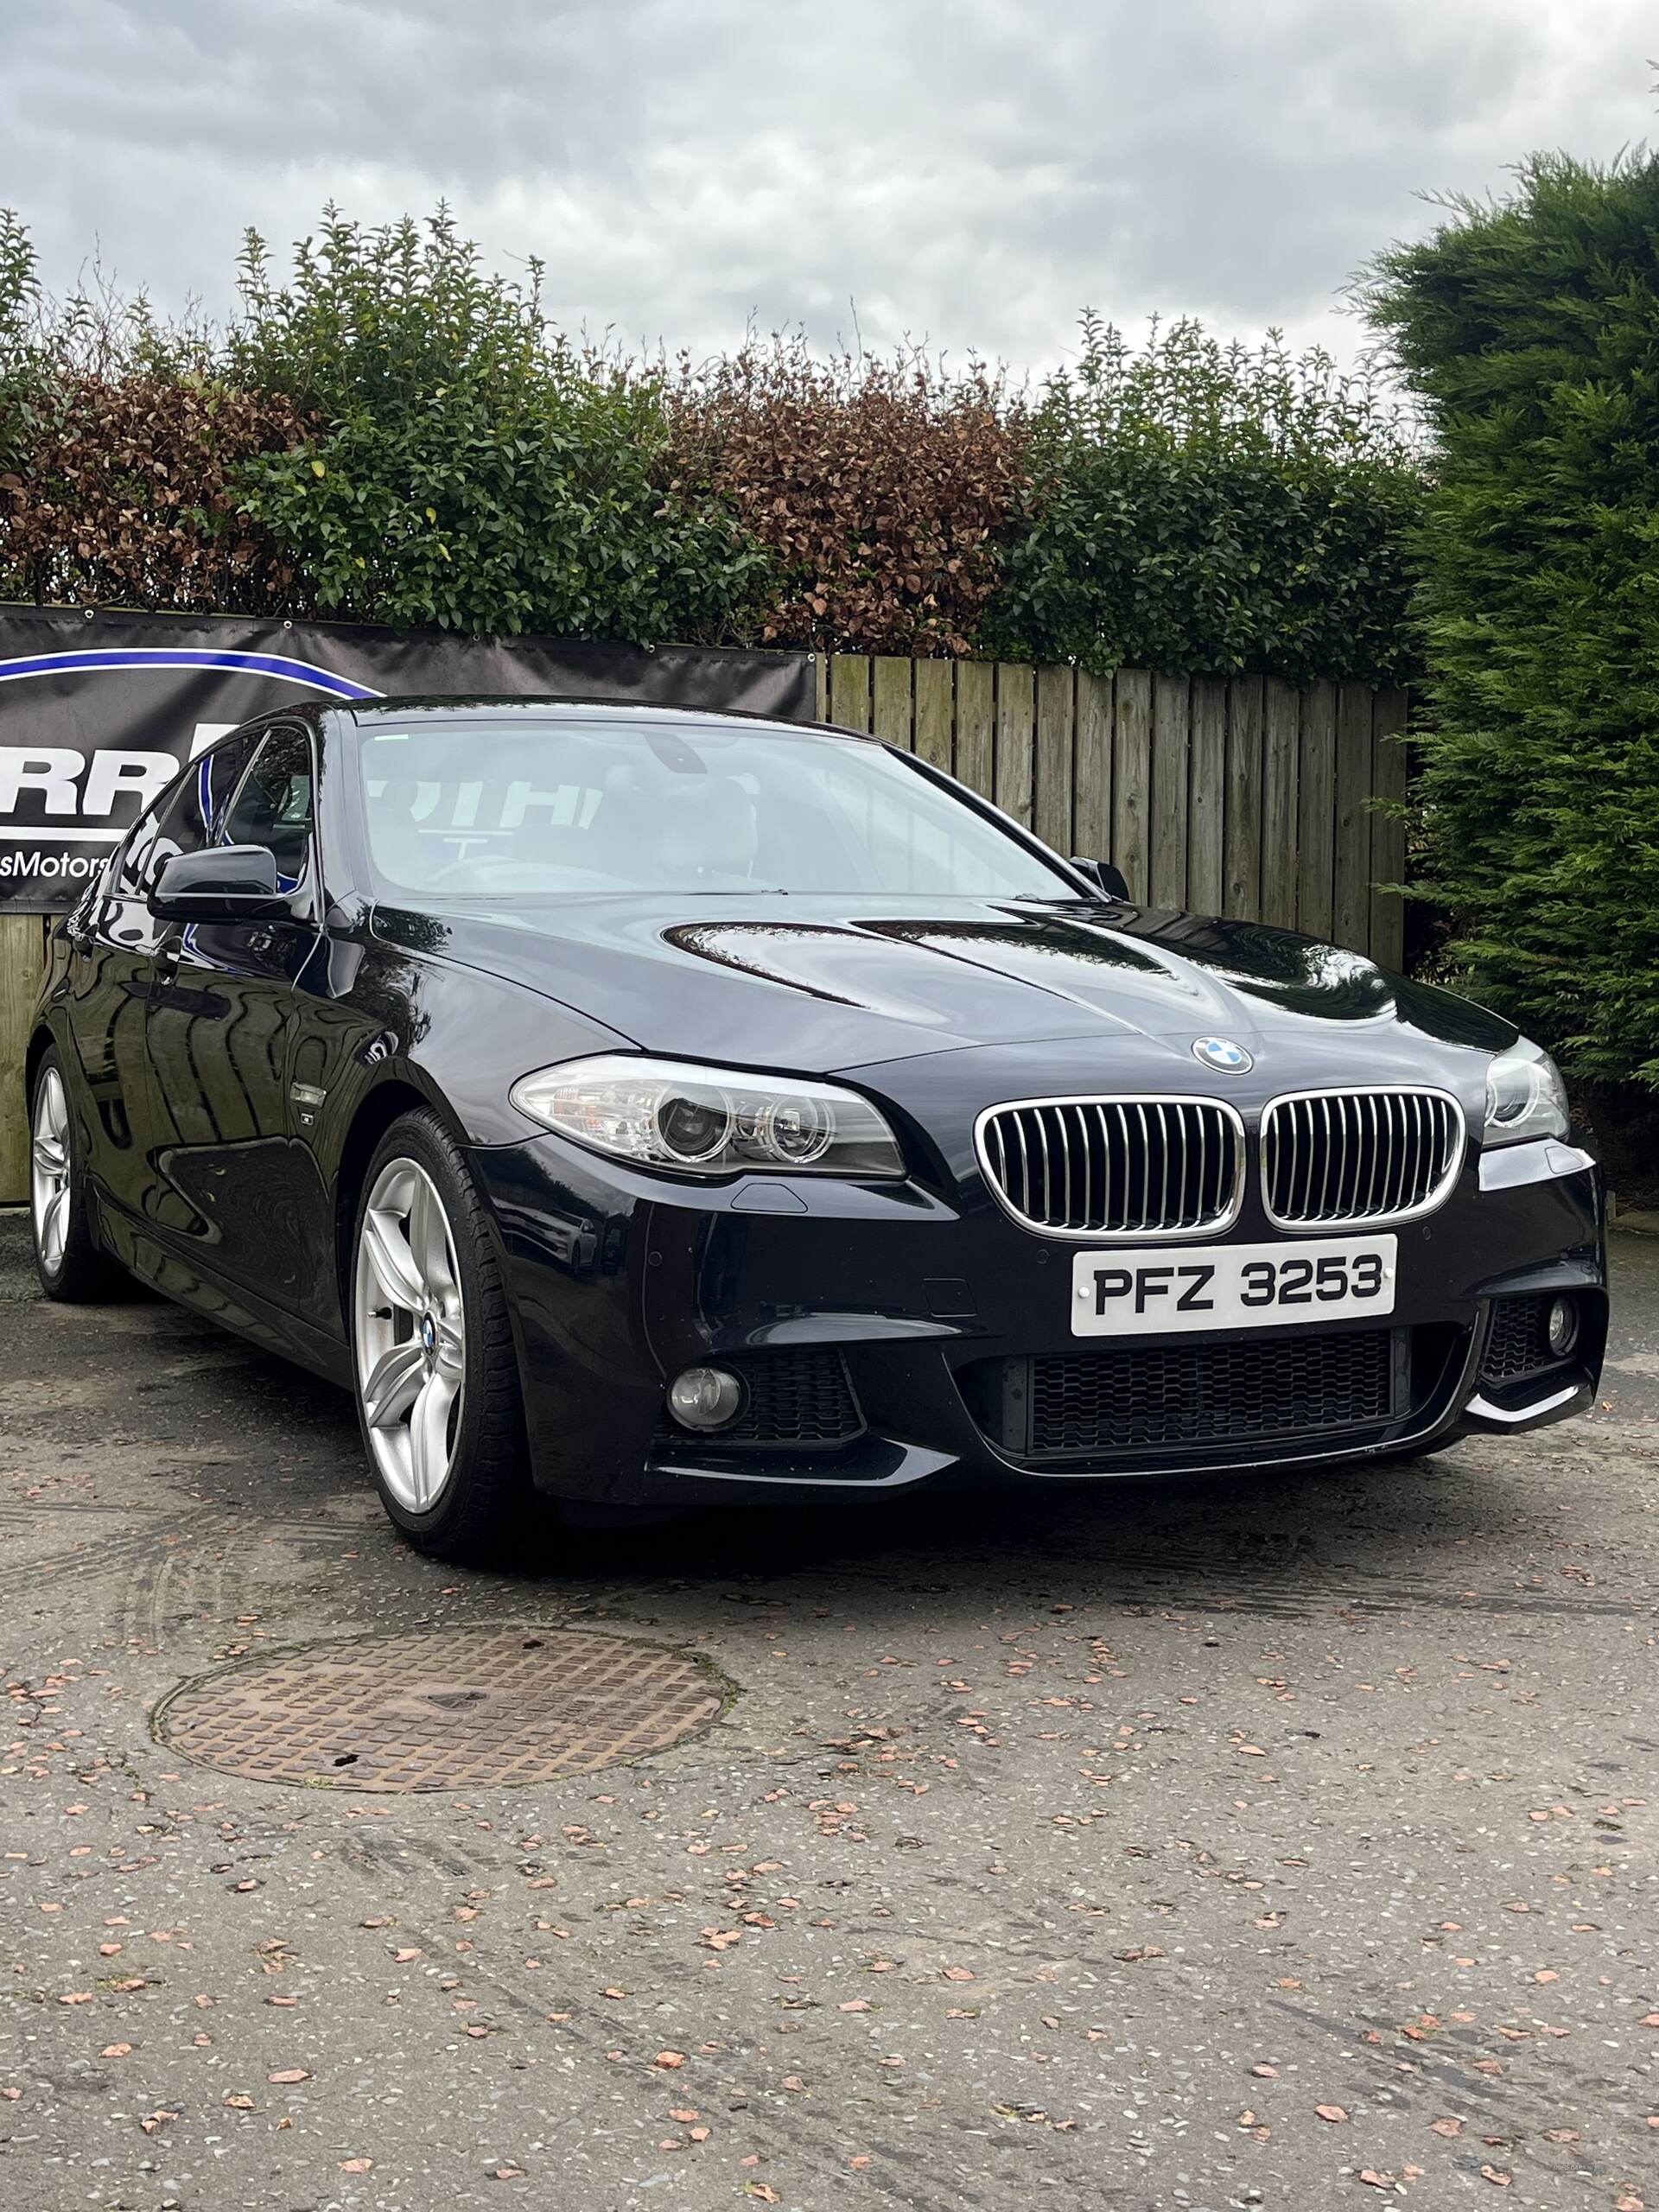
x: 22, y: 946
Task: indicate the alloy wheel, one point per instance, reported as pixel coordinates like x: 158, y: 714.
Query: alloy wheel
x: 409, y: 1333
x: 50, y: 1171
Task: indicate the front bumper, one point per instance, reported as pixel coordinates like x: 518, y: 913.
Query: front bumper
x: 618, y: 1280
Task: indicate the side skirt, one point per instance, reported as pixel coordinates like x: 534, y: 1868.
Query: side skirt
x: 268, y: 1326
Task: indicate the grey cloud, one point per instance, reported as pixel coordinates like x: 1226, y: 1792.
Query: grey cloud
x: 969, y: 171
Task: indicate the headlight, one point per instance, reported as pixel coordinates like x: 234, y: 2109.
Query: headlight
x: 708, y: 1120
x: 1525, y: 1096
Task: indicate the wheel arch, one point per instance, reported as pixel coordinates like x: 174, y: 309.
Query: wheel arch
x: 387, y: 1103
x: 40, y: 1044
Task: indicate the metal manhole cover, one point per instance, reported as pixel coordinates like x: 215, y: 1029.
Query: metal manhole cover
x: 451, y: 1709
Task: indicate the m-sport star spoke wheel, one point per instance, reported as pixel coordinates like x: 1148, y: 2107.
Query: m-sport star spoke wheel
x: 410, y: 1333
x: 49, y: 1170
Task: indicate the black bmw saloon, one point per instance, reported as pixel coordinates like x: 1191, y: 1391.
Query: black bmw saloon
x: 638, y: 1106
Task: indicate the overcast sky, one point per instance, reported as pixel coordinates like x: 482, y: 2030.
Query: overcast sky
x: 970, y: 171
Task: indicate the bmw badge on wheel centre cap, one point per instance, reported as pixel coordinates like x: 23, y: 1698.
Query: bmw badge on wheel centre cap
x: 1222, y: 1054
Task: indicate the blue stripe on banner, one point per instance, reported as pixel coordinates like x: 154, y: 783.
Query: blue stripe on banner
x: 144, y: 657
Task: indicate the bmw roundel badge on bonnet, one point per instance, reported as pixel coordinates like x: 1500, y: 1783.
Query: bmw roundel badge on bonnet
x: 1222, y: 1054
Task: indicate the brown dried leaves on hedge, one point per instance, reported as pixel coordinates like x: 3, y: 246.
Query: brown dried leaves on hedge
x: 118, y: 493
x: 879, y: 488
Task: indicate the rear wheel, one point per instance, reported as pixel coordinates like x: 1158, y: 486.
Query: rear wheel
x: 67, y: 1258
x: 436, y: 1375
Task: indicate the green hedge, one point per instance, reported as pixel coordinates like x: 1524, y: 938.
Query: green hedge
x: 466, y: 467
x: 1531, y: 327
x: 388, y: 431
x: 1199, y: 507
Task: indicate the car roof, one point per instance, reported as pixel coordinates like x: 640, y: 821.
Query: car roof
x: 576, y: 709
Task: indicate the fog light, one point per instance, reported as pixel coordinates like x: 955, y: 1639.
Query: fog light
x: 704, y: 1397
x: 1562, y: 1327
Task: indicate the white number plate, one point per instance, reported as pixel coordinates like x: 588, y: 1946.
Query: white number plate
x: 1155, y: 1290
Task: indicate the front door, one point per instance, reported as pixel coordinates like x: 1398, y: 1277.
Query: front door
x: 231, y: 1188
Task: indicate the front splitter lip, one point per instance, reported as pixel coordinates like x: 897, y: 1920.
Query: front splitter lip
x: 1558, y: 1402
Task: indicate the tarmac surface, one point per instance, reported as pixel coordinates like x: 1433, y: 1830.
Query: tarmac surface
x: 1286, y: 1843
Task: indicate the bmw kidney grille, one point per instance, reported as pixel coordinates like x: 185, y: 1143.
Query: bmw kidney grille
x: 1175, y: 1166
x: 1331, y: 1157
x: 1116, y: 1166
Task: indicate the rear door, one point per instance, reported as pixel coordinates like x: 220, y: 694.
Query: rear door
x: 231, y: 1183
x: 113, y: 940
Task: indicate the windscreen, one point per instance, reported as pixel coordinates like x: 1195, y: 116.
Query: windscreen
x: 480, y: 810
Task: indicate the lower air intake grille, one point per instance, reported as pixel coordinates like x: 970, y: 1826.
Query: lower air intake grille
x: 1155, y: 1398
x: 1517, y: 1342
x: 792, y: 1397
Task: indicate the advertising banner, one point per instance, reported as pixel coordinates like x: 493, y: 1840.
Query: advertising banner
x: 98, y: 712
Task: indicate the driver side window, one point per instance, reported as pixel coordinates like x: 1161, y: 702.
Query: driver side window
x: 272, y: 805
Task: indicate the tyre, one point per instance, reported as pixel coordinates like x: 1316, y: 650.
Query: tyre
x: 67, y: 1257
x: 436, y: 1371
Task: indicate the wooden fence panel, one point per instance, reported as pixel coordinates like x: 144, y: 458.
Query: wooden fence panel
x: 849, y: 690
x: 1234, y: 796
x: 1316, y: 809
x: 1053, y: 770
x: 1171, y: 811
x: 1241, y: 870
x: 1350, y: 918
x: 1281, y: 801
x: 1016, y: 730
x: 1206, y: 821
x: 893, y: 718
x: 976, y: 724
x: 1091, y: 808
x: 1388, y: 909
x: 1132, y: 777
x: 933, y: 712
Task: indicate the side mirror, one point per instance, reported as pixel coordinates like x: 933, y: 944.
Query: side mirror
x: 1111, y: 881
x: 223, y: 883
